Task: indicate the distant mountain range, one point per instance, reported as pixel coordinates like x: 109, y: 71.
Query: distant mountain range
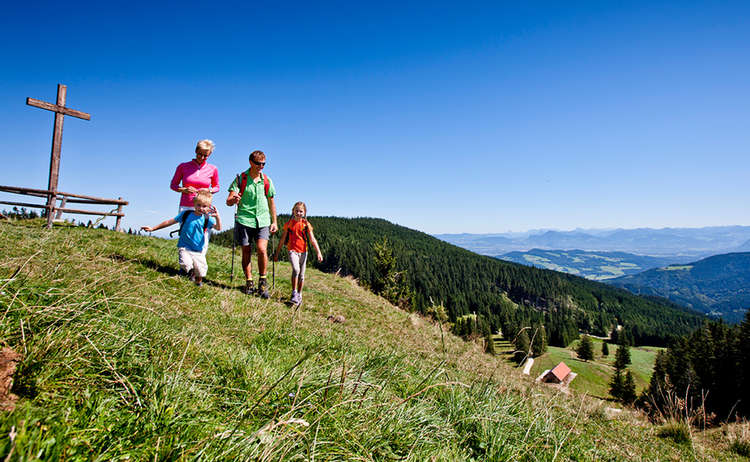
x: 665, y: 242
x: 718, y: 285
x: 589, y: 264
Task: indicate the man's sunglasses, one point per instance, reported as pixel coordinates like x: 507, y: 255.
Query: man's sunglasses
x: 262, y: 164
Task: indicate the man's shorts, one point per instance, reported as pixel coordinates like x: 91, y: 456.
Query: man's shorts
x: 244, y: 235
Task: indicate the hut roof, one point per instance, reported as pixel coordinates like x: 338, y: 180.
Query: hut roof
x: 561, y: 371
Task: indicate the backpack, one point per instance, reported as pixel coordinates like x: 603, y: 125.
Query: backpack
x: 182, y: 222
x: 243, y: 183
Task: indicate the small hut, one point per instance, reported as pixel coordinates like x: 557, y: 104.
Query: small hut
x: 560, y: 374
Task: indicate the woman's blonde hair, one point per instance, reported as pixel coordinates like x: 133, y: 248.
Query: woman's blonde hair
x: 302, y: 204
x: 205, y: 145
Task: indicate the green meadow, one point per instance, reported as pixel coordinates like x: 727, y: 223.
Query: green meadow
x: 594, y: 376
x: 124, y: 359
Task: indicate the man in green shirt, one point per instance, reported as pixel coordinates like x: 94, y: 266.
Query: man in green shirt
x: 256, y: 218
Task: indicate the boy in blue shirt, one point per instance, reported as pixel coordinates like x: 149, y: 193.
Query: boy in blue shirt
x: 194, y: 226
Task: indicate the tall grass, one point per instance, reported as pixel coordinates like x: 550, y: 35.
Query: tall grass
x: 124, y: 359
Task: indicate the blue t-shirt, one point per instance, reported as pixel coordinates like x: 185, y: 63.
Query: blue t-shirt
x: 192, y: 236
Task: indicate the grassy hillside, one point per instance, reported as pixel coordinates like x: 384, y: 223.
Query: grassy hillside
x: 718, y: 285
x: 124, y: 359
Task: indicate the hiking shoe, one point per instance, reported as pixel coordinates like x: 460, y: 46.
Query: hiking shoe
x: 199, y: 284
x: 297, y: 299
x: 191, y: 274
x: 293, y: 298
x: 249, y: 287
x: 263, y: 288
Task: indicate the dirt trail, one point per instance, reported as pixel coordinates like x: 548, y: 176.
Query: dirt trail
x: 8, y: 361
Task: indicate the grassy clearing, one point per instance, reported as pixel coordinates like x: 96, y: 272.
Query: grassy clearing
x: 594, y: 376
x: 124, y: 359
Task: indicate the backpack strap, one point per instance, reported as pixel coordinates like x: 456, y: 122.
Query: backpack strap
x: 306, y: 231
x: 266, y: 183
x: 182, y: 222
x: 243, y: 183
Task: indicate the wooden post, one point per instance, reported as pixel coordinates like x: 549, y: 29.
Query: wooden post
x: 62, y: 206
x: 119, y: 217
x: 54, y: 164
x: 54, y: 161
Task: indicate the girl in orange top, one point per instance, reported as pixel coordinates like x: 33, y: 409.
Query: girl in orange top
x: 293, y: 234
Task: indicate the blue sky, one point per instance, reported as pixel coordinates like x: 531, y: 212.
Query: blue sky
x: 443, y: 117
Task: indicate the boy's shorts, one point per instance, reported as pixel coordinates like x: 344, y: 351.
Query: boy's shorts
x: 195, y: 261
x: 244, y: 235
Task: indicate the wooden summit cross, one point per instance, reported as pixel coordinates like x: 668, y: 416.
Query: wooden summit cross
x: 54, y: 164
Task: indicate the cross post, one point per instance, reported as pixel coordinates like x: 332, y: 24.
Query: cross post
x: 54, y: 164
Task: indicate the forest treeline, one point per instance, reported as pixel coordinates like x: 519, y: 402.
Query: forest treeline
x: 708, y: 370
x: 503, y: 296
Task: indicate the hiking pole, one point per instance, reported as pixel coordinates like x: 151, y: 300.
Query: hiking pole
x: 234, y: 239
x: 273, y: 265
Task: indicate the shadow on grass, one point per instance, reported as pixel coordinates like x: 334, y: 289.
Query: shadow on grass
x: 170, y: 270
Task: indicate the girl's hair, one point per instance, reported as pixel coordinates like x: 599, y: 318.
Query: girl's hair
x: 301, y: 204
x: 205, y: 144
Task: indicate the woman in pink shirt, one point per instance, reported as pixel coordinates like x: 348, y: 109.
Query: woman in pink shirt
x: 196, y: 175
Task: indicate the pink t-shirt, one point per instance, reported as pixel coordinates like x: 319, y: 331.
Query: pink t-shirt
x: 199, y: 177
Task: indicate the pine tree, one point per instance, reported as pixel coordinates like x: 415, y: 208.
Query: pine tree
x: 616, y: 385
x: 539, y: 343
x: 585, y: 348
x: 744, y: 362
x: 605, y: 349
x: 522, y: 346
x: 389, y: 283
x: 385, y: 265
x: 658, y: 384
x: 627, y: 393
x: 614, y: 336
x: 622, y: 357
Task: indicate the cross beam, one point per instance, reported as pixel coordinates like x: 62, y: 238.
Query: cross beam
x: 54, y: 164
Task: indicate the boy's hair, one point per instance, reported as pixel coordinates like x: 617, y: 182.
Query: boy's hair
x: 203, y: 198
x: 302, y: 204
x: 257, y: 156
x: 205, y: 144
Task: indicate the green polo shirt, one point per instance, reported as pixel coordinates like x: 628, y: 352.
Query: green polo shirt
x: 253, y: 211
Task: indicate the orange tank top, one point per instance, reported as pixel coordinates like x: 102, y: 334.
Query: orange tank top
x: 296, y: 234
